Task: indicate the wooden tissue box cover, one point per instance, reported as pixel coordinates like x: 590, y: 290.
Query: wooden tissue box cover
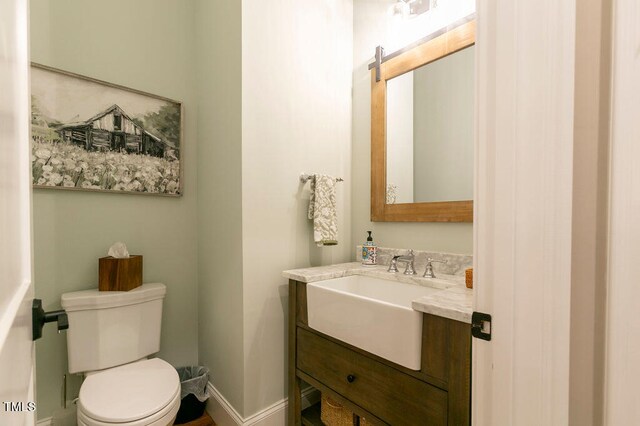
x: 119, y: 274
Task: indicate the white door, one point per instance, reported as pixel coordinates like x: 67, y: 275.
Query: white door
x: 16, y: 290
x: 523, y: 211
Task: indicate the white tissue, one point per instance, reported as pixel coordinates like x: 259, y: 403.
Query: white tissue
x: 119, y: 251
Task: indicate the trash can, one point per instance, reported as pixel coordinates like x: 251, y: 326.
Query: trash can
x: 193, y: 393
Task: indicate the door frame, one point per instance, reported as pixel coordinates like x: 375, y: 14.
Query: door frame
x: 17, y: 350
x: 622, y: 370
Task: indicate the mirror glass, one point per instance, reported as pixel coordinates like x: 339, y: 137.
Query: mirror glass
x: 430, y: 128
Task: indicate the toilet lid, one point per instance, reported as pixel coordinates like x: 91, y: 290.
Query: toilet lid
x: 129, y: 392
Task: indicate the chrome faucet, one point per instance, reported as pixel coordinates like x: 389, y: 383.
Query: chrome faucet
x: 409, y: 258
x: 428, y: 272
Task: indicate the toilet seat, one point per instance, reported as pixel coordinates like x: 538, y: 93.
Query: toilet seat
x: 164, y: 418
x: 145, y: 392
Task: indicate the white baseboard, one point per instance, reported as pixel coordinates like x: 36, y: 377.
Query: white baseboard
x: 44, y: 422
x: 224, y: 414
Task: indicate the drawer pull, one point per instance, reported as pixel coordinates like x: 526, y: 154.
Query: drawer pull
x: 351, y: 378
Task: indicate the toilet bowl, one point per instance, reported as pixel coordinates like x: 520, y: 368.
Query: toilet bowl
x: 145, y: 393
x: 110, y: 336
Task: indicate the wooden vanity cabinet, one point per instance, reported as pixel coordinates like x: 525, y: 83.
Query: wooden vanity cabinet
x: 376, y: 390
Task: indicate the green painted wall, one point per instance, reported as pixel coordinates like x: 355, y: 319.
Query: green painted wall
x: 147, y: 45
x: 220, y: 292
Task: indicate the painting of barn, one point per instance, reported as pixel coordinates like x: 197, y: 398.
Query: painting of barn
x: 92, y: 135
x: 112, y: 130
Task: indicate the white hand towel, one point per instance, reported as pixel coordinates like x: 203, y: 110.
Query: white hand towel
x: 322, y: 209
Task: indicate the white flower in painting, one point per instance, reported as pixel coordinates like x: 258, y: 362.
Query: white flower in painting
x: 55, y: 178
x: 172, y: 187
x: 66, y: 164
x: 43, y: 153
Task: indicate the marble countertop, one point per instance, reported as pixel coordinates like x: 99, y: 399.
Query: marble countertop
x: 454, y: 301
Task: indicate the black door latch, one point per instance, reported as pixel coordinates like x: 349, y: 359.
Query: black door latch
x: 481, y: 325
x: 40, y: 318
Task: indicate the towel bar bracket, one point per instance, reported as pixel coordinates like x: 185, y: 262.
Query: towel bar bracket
x: 304, y: 177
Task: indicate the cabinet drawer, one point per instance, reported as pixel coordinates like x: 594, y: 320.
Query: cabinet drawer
x: 395, y: 397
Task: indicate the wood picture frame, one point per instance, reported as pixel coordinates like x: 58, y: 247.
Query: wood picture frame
x: 452, y: 39
x: 92, y: 135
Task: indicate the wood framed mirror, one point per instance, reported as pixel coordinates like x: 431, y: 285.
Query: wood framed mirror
x: 422, y: 127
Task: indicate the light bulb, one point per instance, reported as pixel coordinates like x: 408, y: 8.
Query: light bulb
x: 400, y: 8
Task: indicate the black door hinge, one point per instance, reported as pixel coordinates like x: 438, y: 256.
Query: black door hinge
x: 481, y: 325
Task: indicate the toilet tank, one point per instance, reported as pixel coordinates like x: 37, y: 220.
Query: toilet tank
x: 109, y: 328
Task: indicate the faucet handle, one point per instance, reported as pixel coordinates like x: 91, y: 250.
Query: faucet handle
x: 428, y: 272
x: 409, y: 269
x: 393, y: 265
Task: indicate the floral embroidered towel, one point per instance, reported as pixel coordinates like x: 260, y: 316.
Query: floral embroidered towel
x: 322, y: 209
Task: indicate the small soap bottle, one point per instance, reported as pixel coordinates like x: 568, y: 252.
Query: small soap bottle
x: 369, y: 250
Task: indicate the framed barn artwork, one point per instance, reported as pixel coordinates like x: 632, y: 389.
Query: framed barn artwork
x: 92, y: 135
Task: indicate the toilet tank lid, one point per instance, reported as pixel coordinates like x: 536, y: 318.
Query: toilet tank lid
x: 94, y: 299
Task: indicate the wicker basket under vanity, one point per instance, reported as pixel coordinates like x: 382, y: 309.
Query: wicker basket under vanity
x: 334, y: 414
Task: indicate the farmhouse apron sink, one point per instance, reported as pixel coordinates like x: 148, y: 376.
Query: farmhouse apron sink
x: 370, y: 313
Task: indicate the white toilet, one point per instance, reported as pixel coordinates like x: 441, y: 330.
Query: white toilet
x: 110, y: 335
